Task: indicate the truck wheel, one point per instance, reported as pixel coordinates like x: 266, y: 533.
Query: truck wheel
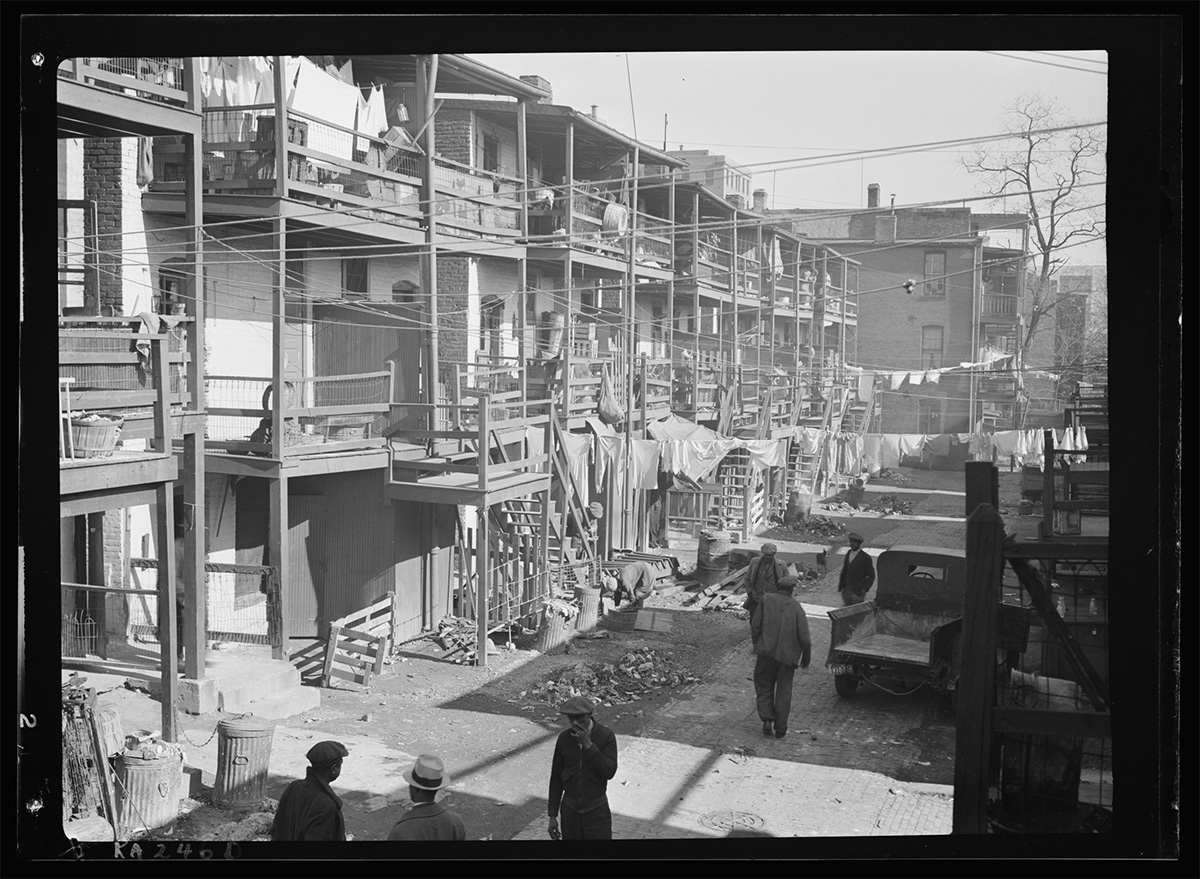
x: 846, y: 685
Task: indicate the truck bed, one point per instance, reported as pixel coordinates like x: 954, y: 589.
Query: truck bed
x: 888, y: 647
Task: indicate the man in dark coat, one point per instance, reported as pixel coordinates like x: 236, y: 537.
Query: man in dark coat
x: 781, y: 642
x: 762, y: 576
x: 858, y: 572
x: 428, y: 819
x: 585, y: 758
x: 309, y: 810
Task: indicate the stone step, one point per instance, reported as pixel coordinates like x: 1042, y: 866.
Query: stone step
x: 285, y: 703
x: 241, y: 682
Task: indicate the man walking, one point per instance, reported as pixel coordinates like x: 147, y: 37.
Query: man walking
x: 781, y: 642
x: 428, y: 819
x: 858, y: 572
x: 762, y: 576
x: 585, y: 758
x: 309, y: 810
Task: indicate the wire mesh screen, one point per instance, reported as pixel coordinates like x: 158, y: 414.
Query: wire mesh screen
x: 242, y: 603
x: 123, y: 374
x: 80, y: 634
x: 1057, y: 659
x: 112, y: 73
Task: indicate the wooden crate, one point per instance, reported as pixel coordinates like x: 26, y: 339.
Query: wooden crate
x: 358, y: 642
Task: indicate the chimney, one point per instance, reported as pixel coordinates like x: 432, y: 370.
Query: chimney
x: 760, y: 200
x: 544, y: 84
x: 594, y: 110
x: 735, y: 199
x: 873, y: 195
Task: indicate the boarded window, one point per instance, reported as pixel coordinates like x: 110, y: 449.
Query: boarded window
x: 935, y: 273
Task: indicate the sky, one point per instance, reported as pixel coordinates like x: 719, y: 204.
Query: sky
x: 766, y: 110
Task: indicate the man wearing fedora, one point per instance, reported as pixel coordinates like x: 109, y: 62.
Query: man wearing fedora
x: 309, y: 810
x: 585, y: 758
x: 858, y: 572
x: 428, y: 819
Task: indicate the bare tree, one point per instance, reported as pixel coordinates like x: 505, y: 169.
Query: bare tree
x: 1050, y: 172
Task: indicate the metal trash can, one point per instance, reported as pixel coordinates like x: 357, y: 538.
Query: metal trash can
x: 148, y: 787
x: 557, y: 624
x: 243, y: 756
x: 589, y: 608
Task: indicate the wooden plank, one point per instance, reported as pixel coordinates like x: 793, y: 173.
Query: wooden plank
x: 354, y: 677
x: 342, y: 659
x: 345, y: 632
x: 891, y: 647
x: 346, y: 646
x: 1047, y: 721
x: 977, y: 678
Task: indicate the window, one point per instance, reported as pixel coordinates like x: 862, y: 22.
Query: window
x: 935, y: 273
x: 931, y: 347
x: 354, y: 277
x: 491, y: 153
x: 929, y: 416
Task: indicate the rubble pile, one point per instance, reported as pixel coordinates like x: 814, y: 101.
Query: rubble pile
x: 820, y: 526
x: 889, y: 504
x: 637, y: 672
x: 894, y: 476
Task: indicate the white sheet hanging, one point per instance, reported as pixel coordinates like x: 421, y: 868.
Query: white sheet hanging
x: 319, y: 95
x: 766, y: 453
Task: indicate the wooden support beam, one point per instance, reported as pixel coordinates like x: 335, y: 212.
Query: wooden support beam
x: 982, y: 484
x: 977, y: 678
x: 164, y: 540
x: 483, y: 584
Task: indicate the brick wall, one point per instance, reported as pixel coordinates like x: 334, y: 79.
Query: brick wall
x: 453, y: 287
x: 102, y: 182
x: 116, y: 559
x: 454, y: 134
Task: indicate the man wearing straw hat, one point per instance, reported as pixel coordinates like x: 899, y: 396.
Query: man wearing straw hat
x: 309, y: 810
x: 585, y: 758
x: 428, y: 819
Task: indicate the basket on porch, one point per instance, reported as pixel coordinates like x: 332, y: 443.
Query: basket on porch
x: 95, y: 435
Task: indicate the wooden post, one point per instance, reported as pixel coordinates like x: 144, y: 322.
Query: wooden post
x: 96, y: 576
x: 195, y: 540
x: 642, y: 518
x: 977, y: 677
x: 548, y: 443
x: 483, y: 583
x: 671, y: 288
x: 483, y: 443
x: 277, y: 547
x: 983, y: 485
x: 695, y: 260
x: 1048, y: 483
x: 426, y: 88
x: 522, y: 263
x: 168, y: 661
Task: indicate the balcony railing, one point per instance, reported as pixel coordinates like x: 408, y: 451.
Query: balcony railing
x: 155, y: 79
x: 320, y: 413
x: 326, y: 163
x: 999, y: 305
x: 476, y: 202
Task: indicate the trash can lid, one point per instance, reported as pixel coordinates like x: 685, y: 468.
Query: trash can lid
x: 247, y: 724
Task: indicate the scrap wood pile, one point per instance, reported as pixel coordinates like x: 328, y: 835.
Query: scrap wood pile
x: 821, y: 526
x: 888, y: 504
x: 457, y: 636
x: 637, y: 672
x: 725, y: 594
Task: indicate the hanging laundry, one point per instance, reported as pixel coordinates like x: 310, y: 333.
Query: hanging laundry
x: 866, y: 382
x: 872, y: 453
x: 1005, y: 443
x: 577, y: 447
x: 319, y: 95
x: 939, y: 445
x: 889, y: 450
x: 643, y: 463
x: 766, y: 453
x: 911, y: 445
x: 933, y: 376
x: 808, y: 438
x: 897, y: 379
x: 609, y: 450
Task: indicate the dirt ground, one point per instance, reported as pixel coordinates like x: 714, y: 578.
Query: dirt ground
x: 484, y: 718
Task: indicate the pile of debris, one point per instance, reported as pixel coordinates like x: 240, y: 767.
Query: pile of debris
x: 889, y: 504
x: 638, y: 672
x: 894, y: 476
x: 835, y: 506
x: 821, y: 526
x: 457, y: 636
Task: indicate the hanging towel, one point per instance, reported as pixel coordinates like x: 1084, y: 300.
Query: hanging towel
x: 319, y: 95
x: 1006, y: 442
x: 609, y: 450
x: 808, y: 438
x: 577, y: 447
x: 872, y: 452
x: 897, y: 379
x: 911, y: 444
x: 889, y: 450
x: 865, y: 383
x: 766, y: 453
x: 643, y: 463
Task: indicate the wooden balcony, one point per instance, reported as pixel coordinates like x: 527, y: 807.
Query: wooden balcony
x: 118, y: 385
x: 472, y: 203
x: 999, y: 307
x: 115, y: 97
x: 444, y: 454
x: 322, y: 415
x: 355, y: 176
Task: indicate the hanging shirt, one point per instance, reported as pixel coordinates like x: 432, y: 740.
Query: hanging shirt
x: 643, y: 463
x: 766, y: 453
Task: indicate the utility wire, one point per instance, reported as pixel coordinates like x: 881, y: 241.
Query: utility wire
x: 1050, y: 63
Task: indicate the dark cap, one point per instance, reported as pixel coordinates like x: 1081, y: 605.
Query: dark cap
x: 596, y: 509
x: 576, y: 705
x: 788, y: 583
x: 768, y: 549
x: 854, y: 535
x: 324, y: 753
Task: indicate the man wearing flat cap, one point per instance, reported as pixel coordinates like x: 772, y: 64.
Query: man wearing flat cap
x: 858, y: 572
x: 762, y: 576
x: 585, y: 758
x: 309, y: 810
x: 781, y: 643
x: 428, y: 819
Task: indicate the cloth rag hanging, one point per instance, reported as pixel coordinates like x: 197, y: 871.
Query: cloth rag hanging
x: 889, y: 450
x: 577, y: 447
x: 766, y: 453
x: 872, y: 452
x: 643, y: 463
